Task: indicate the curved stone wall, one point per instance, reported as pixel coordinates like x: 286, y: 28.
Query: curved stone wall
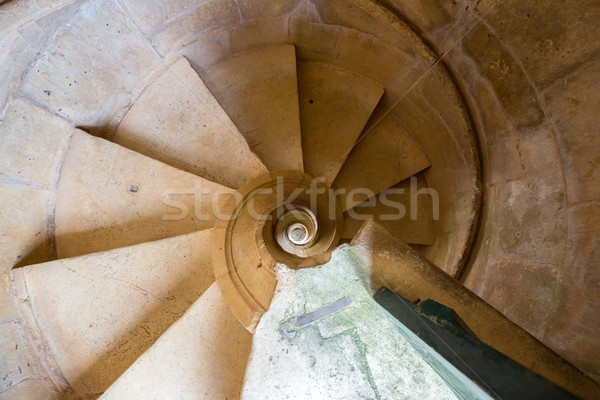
x: 527, y: 73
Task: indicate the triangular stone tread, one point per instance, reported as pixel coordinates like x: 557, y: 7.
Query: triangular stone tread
x: 178, y: 121
x: 335, y: 105
x: 259, y: 90
x: 382, y: 157
x: 207, y: 350
x: 99, y: 312
x: 406, y: 210
x: 110, y: 197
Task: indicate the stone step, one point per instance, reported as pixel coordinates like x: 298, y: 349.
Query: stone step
x: 335, y: 105
x: 202, y: 356
x: 383, y: 156
x: 110, y: 197
x: 94, y: 315
x: 178, y: 121
x: 410, y: 219
x: 259, y: 90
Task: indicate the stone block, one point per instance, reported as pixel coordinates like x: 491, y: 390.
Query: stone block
x: 151, y: 15
x: 86, y: 72
x: 530, y: 213
x: 530, y: 222
x: 510, y: 83
x: 8, y: 64
x: 206, y: 50
x: 504, y: 160
x: 252, y: 9
x: 525, y: 292
x: 207, y: 16
x: 313, y: 39
x: 15, y: 358
x: 257, y: 33
x: 349, y: 13
x: 19, y: 46
x: 583, y: 247
x: 24, y: 235
x: 33, y: 141
x: 572, y: 106
x: 16, y: 12
x: 551, y: 39
x: 573, y: 331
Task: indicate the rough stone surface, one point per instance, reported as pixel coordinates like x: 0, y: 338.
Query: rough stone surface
x: 409, y: 218
x: 99, y: 312
x: 8, y: 311
x: 24, y: 235
x: 382, y: 157
x: 583, y: 249
x: 38, y: 389
x: 202, y: 18
x: 578, y: 312
x: 335, y: 105
x: 263, y: 102
x: 255, y: 33
x: 434, y: 19
x: 178, y: 121
x: 252, y: 9
x: 86, y: 71
x: 551, y: 40
x: 510, y: 83
x: 151, y: 15
x: 207, y: 350
x: 532, y: 47
x: 572, y: 108
x: 16, y: 362
x: 34, y: 141
x: 16, y: 11
x: 397, y: 267
x: 340, y: 355
x: 110, y: 197
x: 29, y: 34
x: 531, y: 213
x: 538, y: 288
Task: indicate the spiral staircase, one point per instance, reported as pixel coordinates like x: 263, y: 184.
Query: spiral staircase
x: 163, y: 158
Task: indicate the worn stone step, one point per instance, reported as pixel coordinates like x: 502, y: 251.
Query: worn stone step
x: 407, y: 210
x: 94, y: 315
x: 203, y: 355
x: 110, y: 197
x: 383, y: 156
x: 259, y: 90
x: 335, y: 105
x: 178, y: 121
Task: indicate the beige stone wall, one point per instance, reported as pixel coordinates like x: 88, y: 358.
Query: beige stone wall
x: 528, y: 71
